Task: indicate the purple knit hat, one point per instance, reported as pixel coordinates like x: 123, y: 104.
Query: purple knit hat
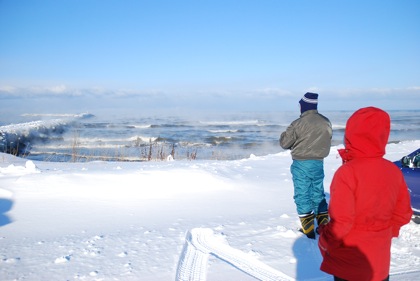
x: 308, y: 102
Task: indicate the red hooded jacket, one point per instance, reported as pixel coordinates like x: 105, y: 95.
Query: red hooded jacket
x: 369, y: 202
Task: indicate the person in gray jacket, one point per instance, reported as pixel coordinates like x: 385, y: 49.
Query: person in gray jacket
x: 309, y: 139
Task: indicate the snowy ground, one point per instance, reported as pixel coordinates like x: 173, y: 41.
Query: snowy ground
x: 129, y: 221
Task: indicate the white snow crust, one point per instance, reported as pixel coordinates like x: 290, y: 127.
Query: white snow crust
x: 169, y: 220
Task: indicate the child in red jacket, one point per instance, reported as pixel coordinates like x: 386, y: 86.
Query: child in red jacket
x: 369, y: 203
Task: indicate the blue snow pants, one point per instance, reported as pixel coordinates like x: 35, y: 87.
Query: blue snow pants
x: 308, y: 181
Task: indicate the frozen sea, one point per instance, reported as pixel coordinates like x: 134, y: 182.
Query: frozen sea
x: 128, y: 136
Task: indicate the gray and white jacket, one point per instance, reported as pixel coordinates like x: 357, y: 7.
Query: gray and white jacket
x: 308, y: 137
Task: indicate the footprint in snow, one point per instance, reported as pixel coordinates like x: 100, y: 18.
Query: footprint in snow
x: 123, y: 254
x: 94, y: 273
x: 10, y: 260
x: 285, y: 232
x: 288, y: 234
x: 62, y: 259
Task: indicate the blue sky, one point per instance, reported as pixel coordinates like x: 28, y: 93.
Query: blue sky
x: 250, y: 54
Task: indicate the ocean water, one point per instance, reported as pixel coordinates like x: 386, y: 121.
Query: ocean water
x: 133, y: 137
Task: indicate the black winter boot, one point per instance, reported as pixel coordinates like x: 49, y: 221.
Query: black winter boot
x: 308, y: 225
x: 322, y: 218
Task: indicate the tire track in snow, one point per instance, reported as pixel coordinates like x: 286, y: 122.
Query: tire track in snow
x: 193, y: 262
x: 201, y: 242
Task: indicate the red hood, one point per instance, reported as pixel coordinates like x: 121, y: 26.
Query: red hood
x: 366, y: 135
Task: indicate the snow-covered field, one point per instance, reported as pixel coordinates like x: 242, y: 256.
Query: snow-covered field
x: 166, y: 220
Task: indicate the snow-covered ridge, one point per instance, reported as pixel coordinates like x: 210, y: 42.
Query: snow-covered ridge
x: 59, y: 115
x: 17, y: 138
x: 27, y: 127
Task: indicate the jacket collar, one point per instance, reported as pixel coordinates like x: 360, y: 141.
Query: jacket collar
x: 307, y: 112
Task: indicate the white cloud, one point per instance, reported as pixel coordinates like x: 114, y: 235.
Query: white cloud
x: 268, y: 98
x: 377, y: 92
x: 277, y: 92
x: 314, y: 89
x: 58, y: 89
x: 7, y: 89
